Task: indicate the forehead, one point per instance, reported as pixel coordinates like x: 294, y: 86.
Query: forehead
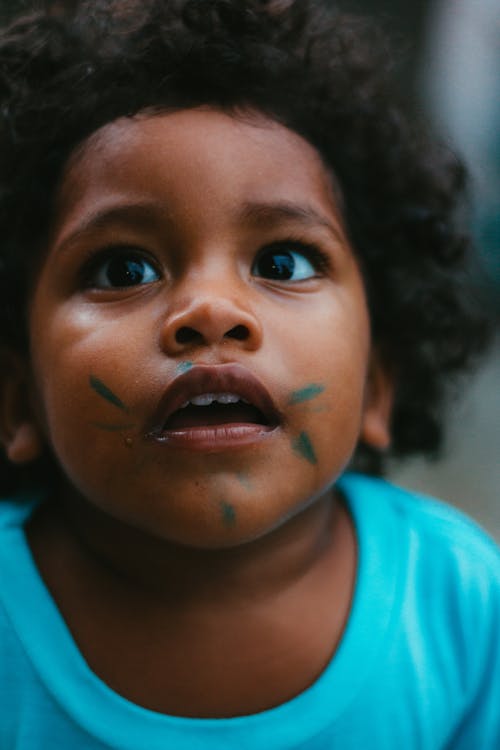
x: 230, y: 159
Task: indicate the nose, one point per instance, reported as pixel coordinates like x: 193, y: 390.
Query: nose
x: 210, y: 318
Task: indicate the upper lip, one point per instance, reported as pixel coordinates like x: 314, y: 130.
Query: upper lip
x: 227, y: 378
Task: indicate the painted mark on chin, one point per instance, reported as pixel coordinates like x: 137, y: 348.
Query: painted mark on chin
x: 228, y: 514
x: 305, y: 394
x: 106, y: 393
x: 303, y: 446
x: 183, y: 367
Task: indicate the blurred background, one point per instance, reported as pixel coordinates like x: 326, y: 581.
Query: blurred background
x: 449, y: 72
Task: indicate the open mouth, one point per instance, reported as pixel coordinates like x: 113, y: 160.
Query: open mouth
x: 214, y: 408
x: 209, y: 410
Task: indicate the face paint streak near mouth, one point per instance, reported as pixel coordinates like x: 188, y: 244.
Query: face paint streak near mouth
x: 228, y: 514
x: 305, y: 394
x: 245, y: 481
x: 103, y: 391
x: 183, y: 367
x: 303, y: 446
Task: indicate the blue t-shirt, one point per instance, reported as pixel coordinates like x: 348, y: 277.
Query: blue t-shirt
x: 418, y: 666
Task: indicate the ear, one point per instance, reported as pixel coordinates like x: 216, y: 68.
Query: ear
x: 379, y: 399
x: 19, y: 432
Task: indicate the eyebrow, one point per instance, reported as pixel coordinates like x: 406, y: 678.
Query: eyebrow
x: 135, y: 215
x: 273, y: 213
x: 138, y: 215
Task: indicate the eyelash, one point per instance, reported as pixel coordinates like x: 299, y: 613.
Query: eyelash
x: 319, y: 259
x: 95, y: 259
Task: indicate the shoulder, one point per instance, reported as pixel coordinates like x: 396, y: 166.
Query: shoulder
x: 445, y: 572
x: 451, y: 566
x: 427, y: 519
x: 447, y: 556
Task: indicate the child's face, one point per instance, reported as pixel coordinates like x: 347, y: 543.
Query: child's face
x: 184, y: 261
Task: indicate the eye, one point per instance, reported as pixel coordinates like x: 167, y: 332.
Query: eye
x: 122, y: 269
x: 288, y: 261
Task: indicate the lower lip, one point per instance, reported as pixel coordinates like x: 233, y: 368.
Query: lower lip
x: 214, y: 438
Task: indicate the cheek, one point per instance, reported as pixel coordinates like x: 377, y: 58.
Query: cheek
x: 83, y: 383
x: 324, y: 435
x: 326, y: 416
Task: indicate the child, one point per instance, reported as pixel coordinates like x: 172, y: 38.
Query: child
x: 230, y: 270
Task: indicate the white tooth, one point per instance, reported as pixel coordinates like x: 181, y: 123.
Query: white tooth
x: 227, y: 398
x: 204, y: 399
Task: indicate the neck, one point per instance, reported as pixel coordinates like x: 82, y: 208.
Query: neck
x: 267, y: 613
x: 172, y: 573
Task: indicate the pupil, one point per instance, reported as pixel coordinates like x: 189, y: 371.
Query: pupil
x: 277, y: 265
x: 125, y: 272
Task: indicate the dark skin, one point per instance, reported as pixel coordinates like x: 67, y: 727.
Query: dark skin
x: 198, y: 581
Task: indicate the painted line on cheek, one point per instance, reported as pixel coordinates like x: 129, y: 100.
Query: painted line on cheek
x: 183, y: 367
x: 228, y: 514
x: 112, y: 427
x: 303, y: 446
x: 305, y: 394
x: 106, y: 393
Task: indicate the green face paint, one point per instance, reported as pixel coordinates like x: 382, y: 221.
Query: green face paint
x: 183, y: 367
x: 305, y: 394
x: 228, y: 514
x: 103, y: 391
x: 244, y: 480
x: 303, y: 446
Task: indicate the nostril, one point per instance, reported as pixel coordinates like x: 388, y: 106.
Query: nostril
x: 240, y: 333
x: 186, y: 335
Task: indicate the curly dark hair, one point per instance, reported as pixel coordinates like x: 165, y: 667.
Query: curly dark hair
x: 70, y: 68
